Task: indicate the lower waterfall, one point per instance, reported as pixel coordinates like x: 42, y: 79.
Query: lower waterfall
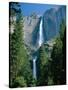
x: 34, y: 67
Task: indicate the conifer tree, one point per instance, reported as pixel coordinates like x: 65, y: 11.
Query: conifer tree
x: 43, y: 67
x: 58, y: 63
x: 19, y: 60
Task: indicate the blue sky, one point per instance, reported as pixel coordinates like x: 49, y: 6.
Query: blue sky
x: 28, y: 8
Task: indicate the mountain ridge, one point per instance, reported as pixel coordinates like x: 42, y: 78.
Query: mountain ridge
x: 52, y: 19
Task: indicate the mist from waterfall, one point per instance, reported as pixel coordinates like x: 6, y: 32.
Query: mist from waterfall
x: 34, y: 67
x: 41, y: 33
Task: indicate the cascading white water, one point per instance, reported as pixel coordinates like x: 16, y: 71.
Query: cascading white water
x: 34, y: 67
x: 40, y: 42
x: 40, y: 33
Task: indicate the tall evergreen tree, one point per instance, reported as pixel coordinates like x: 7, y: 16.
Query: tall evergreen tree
x: 19, y: 61
x: 58, y: 58
x: 12, y: 38
x: 43, y: 67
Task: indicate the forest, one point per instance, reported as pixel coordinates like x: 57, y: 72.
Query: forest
x: 51, y: 71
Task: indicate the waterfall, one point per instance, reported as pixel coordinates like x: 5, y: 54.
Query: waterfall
x: 34, y: 67
x: 40, y: 42
x: 41, y: 33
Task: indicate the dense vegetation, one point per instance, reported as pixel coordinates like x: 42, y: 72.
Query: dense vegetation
x: 58, y: 64
x: 43, y: 67
x: 20, y: 70
x: 51, y: 70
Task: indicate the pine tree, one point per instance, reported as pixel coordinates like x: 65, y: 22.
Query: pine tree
x: 58, y: 58
x: 43, y: 67
x: 13, y: 47
x: 19, y: 60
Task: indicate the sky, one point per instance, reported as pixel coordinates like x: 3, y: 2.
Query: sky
x: 28, y: 8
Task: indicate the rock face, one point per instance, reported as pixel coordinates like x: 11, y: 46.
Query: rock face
x: 52, y: 19
x: 30, y: 28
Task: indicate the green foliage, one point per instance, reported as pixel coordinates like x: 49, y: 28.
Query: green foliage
x: 14, y: 8
x: 15, y: 50
x: 57, y: 57
x: 57, y: 66
x: 33, y: 83
x: 50, y: 72
x: 20, y: 82
x: 62, y: 30
x: 19, y: 60
x: 57, y: 48
x: 43, y: 66
x: 53, y: 70
x: 43, y: 56
x: 50, y: 81
x: 26, y: 71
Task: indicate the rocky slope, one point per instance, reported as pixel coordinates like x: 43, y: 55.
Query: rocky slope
x: 52, y: 19
x: 30, y: 28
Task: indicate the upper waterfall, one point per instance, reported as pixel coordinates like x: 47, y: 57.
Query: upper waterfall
x: 40, y: 32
